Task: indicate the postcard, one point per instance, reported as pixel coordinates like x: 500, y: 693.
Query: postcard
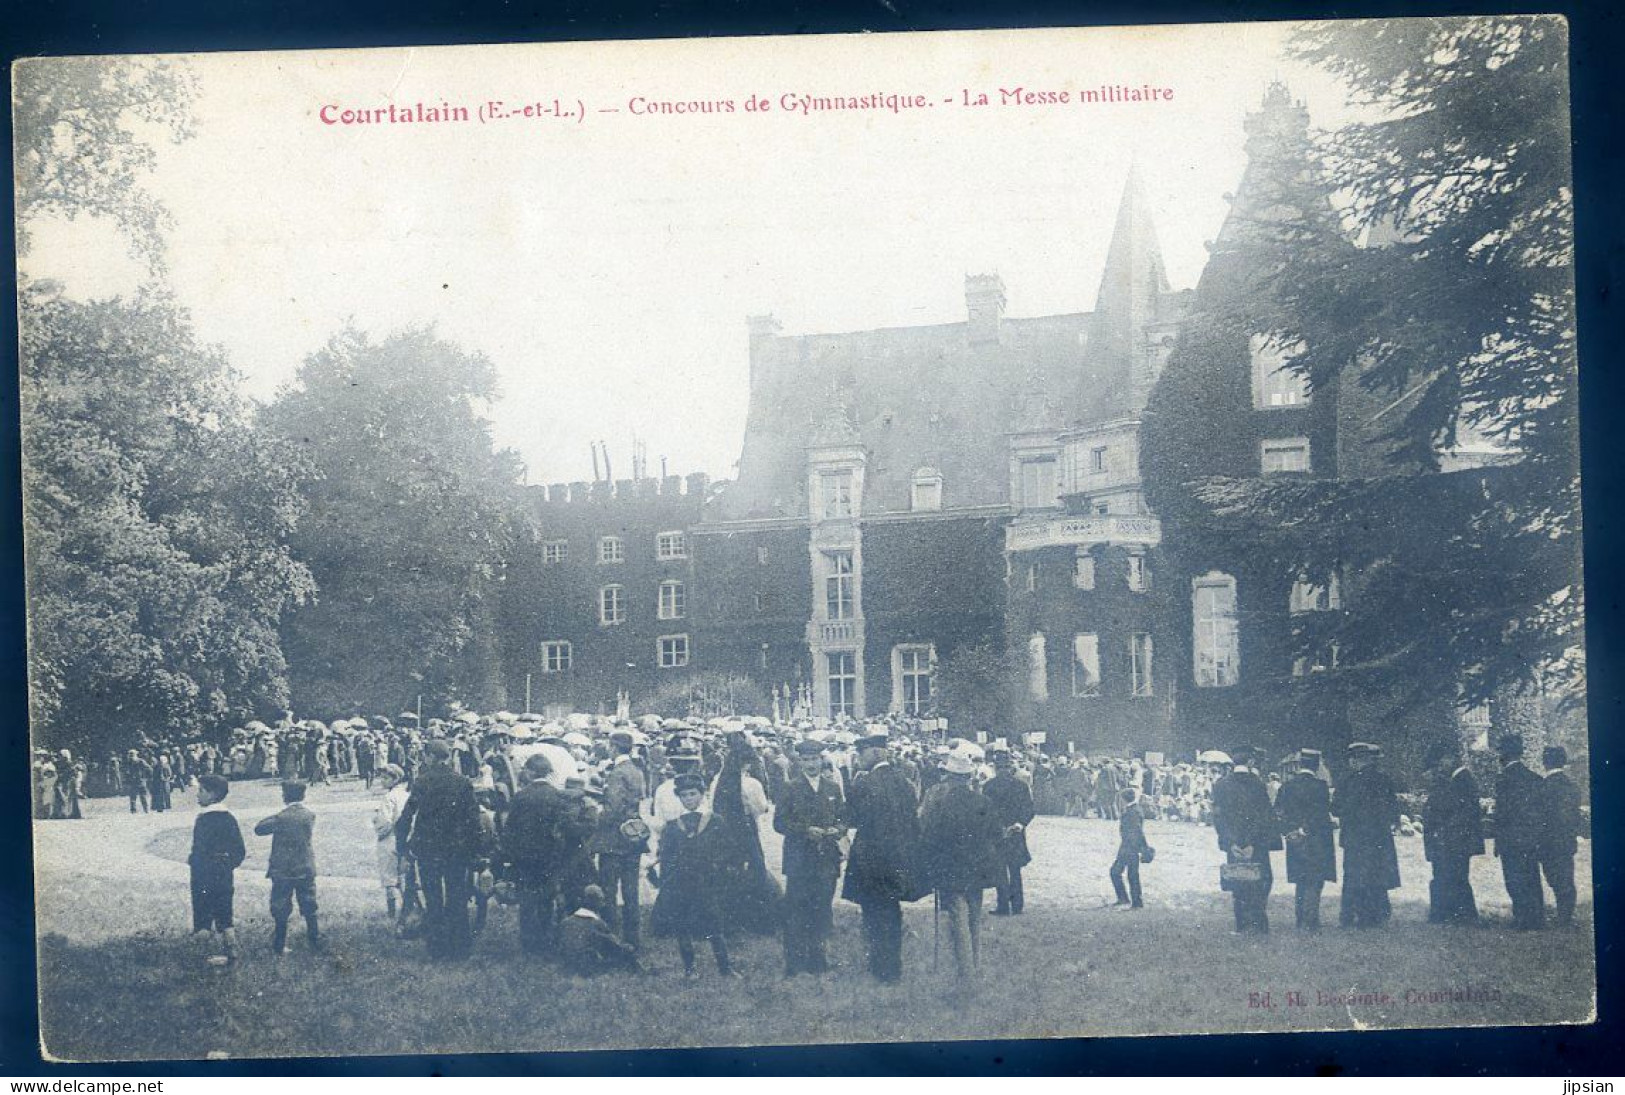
x: 900, y: 537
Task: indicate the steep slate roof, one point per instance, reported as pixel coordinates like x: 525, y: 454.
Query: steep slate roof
x: 948, y: 396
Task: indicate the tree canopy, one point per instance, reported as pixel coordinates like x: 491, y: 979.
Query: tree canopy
x: 1439, y: 300
x: 84, y: 137
x: 412, y: 512
x: 156, y: 525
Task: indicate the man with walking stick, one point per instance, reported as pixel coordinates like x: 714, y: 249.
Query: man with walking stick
x: 959, y: 835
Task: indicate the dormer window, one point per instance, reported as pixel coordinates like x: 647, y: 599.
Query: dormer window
x: 926, y: 494
x: 836, y: 487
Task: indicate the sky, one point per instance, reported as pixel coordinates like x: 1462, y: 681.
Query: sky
x: 606, y: 263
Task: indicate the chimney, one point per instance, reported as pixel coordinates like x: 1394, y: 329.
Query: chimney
x: 762, y: 326
x: 763, y: 329
x: 984, y: 307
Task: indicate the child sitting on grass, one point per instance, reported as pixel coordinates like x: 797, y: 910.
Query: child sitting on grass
x: 689, y: 872
x: 292, y: 870
x: 217, y: 851
x: 587, y: 946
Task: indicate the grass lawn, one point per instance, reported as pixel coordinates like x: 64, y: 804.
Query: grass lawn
x: 121, y: 979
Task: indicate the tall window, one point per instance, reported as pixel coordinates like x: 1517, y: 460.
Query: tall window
x: 1097, y: 460
x: 555, y: 551
x: 1037, y: 667
x: 555, y: 657
x: 1032, y: 577
x: 1216, y: 644
x: 761, y: 556
x: 671, y: 545
x: 1083, y: 569
x: 1038, y: 483
x: 843, y: 683
x: 1086, y: 665
x: 1139, y: 572
x: 1310, y: 596
x: 914, y: 675
x: 1275, y: 385
x: 671, y: 600
x: 1139, y: 661
x: 838, y: 586
x: 611, y: 605
x: 836, y: 487
x: 611, y: 550
x: 1284, y: 454
x: 673, y: 651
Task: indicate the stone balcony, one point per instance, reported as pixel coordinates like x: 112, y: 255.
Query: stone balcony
x: 1076, y: 531
x: 835, y: 634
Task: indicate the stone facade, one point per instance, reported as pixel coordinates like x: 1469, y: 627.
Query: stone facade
x: 905, y: 494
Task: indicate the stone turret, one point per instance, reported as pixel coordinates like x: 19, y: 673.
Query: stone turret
x: 1130, y: 300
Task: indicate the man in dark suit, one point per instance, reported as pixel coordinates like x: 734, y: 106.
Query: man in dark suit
x: 959, y: 856
x: 1367, y: 804
x: 292, y: 868
x: 881, y: 869
x: 1247, y: 832
x: 1561, y: 832
x: 619, y: 846
x: 1131, y: 848
x: 532, y: 842
x: 1452, y: 833
x: 812, y: 816
x: 441, y: 824
x: 1012, y: 805
x: 1303, y: 806
x: 1520, y: 806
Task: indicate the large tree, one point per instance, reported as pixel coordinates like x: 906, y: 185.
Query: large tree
x: 1455, y: 319
x: 156, y: 524
x: 412, y: 514
x: 155, y: 518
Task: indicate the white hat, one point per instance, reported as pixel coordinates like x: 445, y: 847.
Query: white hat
x: 958, y: 763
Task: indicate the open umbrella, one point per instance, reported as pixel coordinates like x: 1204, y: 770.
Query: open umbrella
x: 1214, y: 756
x: 565, y: 767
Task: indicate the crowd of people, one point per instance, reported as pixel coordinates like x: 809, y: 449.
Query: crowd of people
x: 568, y: 821
x: 1536, y: 821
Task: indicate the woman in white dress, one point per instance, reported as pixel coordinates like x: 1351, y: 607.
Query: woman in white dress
x: 390, y: 807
